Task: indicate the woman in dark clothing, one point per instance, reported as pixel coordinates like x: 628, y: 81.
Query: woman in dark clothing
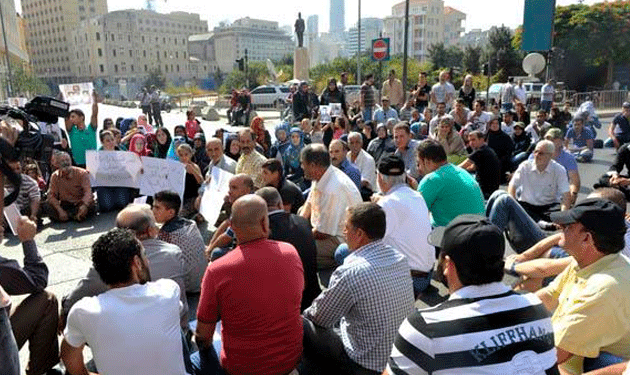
x: 232, y: 147
x: 332, y: 94
x: 522, y: 142
x: 502, y: 145
x: 162, y: 144
x: 382, y: 145
x: 467, y: 92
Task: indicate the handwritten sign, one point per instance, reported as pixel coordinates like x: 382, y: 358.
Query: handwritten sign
x: 113, y: 168
x: 212, y: 198
x: 161, y: 174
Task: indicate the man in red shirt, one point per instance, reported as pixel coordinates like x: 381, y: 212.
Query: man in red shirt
x: 255, y: 290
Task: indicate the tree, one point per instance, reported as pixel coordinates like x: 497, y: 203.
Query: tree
x: 155, y: 78
x: 501, y: 55
x: 25, y: 83
x: 470, y: 61
x: 437, y: 55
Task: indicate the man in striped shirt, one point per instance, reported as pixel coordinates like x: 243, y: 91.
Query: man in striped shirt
x: 484, y: 327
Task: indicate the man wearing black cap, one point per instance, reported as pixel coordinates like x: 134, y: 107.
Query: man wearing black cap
x: 594, y: 288
x: 408, y: 221
x: 484, y: 327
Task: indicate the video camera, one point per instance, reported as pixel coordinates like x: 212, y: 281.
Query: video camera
x: 30, y: 142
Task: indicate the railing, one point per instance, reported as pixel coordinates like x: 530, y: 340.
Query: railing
x: 611, y: 99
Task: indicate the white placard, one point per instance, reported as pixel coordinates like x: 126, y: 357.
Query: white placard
x: 113, y: 168
x: 335, y: 110
x: 12, y: 215
x: 324, y: 114
x: 140, y: 200
x: 212, y: 199
x: 161, y: 174
x: 77, y: 93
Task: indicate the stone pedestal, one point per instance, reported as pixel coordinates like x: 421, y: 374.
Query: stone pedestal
x: 301, y: 64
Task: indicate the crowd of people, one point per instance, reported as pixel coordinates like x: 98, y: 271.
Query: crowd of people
x: 329, y: 234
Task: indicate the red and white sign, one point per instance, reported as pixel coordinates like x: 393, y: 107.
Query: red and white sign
x: 380, y: 49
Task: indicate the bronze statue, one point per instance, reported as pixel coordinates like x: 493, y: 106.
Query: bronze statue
x: 299, y: 30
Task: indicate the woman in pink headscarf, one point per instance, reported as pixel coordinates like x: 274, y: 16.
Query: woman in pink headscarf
x: 142, y: 121
x: 138, y: 145
x: 263, y: 138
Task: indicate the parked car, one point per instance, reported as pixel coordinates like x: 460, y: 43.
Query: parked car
x: 532, y: 90
x: 269, y: 96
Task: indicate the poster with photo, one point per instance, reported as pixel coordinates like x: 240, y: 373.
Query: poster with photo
x: 77, y: 93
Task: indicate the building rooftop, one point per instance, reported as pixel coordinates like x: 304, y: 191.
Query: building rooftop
x: 200, y: 37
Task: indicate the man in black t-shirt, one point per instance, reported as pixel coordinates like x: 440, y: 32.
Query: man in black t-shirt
x: 619, y: 130
x: 484, y: 161
x: 421, y: 92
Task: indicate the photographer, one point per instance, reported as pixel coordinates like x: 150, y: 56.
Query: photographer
x: 35, y: 319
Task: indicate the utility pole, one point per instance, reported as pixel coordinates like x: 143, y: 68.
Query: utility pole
x: 359, y: 46
x: 405, y: 43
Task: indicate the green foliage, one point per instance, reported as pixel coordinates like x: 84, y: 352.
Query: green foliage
x: 25, y: 83
x: 256, y: 72
x: 445, y: 57
x: 471, y: 60
x: 501, y: 54
x: 155, y: 78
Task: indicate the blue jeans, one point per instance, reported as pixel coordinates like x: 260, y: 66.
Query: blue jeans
x: 368, y: 112
x: 9, y: 358
x: 518, y: 159
x: 507, y: 214
x: 583, y: 156
x: 206, y: 362
x: 603, y: 360
x: 419, y: 283
x: 546, y: 105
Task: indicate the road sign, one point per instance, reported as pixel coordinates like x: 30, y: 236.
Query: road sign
x: 380, y: 49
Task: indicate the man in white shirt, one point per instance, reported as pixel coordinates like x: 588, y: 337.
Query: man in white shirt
x: 363, y: 160
x: 519, y: 90
x: 441, y: 92
x: 407, y: 218
x: 542, y: 183
x: 132, y: 326
x: 478, y: 119
x: 331, y: 193
x: 538, y: 128
x: 546, y: 95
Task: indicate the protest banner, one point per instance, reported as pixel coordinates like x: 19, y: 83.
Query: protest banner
x: 113, y: 168
x: 77, y: 93
x: 213, y: 195
x: 324, y: 114
x: 161, y: 174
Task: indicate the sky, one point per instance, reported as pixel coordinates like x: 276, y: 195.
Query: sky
x: 481, y: 14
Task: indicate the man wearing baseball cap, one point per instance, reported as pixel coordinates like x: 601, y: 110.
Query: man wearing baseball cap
x: 590, y: 299
x: 484, y: 327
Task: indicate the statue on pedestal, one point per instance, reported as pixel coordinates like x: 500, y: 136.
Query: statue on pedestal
x: 299, y: 30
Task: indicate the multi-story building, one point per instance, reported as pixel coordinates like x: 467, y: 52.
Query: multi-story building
x: 262, y: 39
x: 429, y: 23
x: 49, y: 25
x: 124, y: 46
x: 337, y: 18
x: 16, y: 47
x: 474, y: 38
x: 371, y: 28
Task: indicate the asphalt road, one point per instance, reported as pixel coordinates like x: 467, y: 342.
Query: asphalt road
x: 66, y: 247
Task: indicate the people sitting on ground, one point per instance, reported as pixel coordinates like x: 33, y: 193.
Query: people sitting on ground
x: 467, y: 91
x: 558, y: 120
x: 29, y: 197
x: 406, y: 149
x: 435, y: 120
x: 200, y: 156
x: 470, y: 264
x: 593, y: 289
x: 459, y: 114
x: 138, y: 145
x: 291, y: 157
x: 375, y: 277
x: 36, y: 317
x: 270, y: 343
x: 508, y: 122
x: 292, y: 197
x: 522, y: 114
x: 381, y: 115
x: 484, y: 162
x: 33, y: 171
x: 142, y: 122
x: 338, y: 150
x: 332, y: 94
x: 363, y: 161
x: 261, y: 136
x: 450, y: 140
x: 192, y: 182
x: 133, y: 316
x: 566, y: 160
x: 223, y: 238
x: 165, y: 261
x: 282, y: 141
x: 538, y: 128
x: 408, y: 223
x: 447, y: 189
x: 382, y: 145
x: 340, y: 128
x: 306, y: 127
x: 184, y: 234
x: 538, y: 266
x: 82, y: 137
x: 503, y: 146
x: 332, y: 191
x: 250, y: 161
x: 216, y: 157
x: 111, y: 198
x: 522, y: 142
x: 406, y: 111
x: 619, y: 130
x: 478, y: 118
x: 368, y: 133
x: 579, y: 141
x: 542, y: 184
x: 232, y: 147
x: 613, y: 178
x: 296, y: 230
x: 180, y: 131
x: 69, y: 195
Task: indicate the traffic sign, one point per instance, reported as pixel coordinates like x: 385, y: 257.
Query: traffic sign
x: 380, y: 49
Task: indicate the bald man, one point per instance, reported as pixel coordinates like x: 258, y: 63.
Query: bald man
x: 255, y: 290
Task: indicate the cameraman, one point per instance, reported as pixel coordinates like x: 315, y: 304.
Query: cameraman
x: 36, y: 318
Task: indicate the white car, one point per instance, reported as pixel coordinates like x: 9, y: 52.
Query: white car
x: 269, y: 96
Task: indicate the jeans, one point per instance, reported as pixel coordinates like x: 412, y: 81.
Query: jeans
x: 603, y: 360
x: 546, y: 105
x: 368, y: 112
x: 507, y: 214
x: 518, y: 159
x: 583, y: 156
x: 206, y: 362
x: 9, y: 357
x: 324, y: 353
x: 419, y: 283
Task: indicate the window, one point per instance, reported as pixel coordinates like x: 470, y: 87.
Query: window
x: 98, y: 36
x: 144, y: 53
x: 130, y: 54
x: 146, y: 68
x: 132, y: 68
x: 114, y: 52
x: 116, y: 68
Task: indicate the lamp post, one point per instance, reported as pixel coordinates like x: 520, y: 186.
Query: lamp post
x: 359, y: 46
x: 6, y: 53
x: 405, y: 42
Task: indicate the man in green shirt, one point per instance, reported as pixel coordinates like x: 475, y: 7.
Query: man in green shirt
x: 82, y: 137
x: 448, y: 190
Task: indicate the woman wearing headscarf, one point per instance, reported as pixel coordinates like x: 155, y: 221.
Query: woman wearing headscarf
x: 232, y: 147
x: 282, y: 141
x: 450, y: 140
x: 138, y: 145
x: 200, y: 157
x: 142, y: 121
x: 291, y: 157
x: 263, y: 138
x: 162, y: 144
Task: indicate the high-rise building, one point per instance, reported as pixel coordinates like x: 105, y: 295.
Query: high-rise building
x: 430, y: 22
x: 125, y: 45
x: 337, y: 17
x: 49, y: 25
x: 312, y: 25
x: 17, y: 52
x: 371, y: 28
